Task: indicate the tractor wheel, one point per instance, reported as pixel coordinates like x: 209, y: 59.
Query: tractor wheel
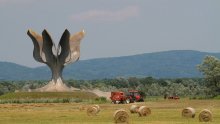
x: 128, y: 101
x: 141, y: 100
x: 117, y: 102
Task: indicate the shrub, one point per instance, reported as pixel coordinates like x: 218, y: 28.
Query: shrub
x: 101, y: 100
x: 217, y: 97
x: 77, y: 100
x: 66, y: 100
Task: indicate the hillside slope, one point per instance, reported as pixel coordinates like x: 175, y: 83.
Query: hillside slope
x: 168, y: 64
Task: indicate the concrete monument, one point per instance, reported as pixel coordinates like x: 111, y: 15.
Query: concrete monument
x: 45, y: 51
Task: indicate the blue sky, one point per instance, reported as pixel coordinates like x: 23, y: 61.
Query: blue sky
x: 113, y: 27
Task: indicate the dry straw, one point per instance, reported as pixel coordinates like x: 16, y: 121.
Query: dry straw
x: 81, y: 108
x: 188, y: 112
x: 93, y: 110
x: 121, y: 116
x: 144, y: 111
x: 205, y: 115
x: 134, y: 108
x: 98, y: 108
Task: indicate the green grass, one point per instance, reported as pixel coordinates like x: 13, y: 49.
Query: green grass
x: 163, y: 112
x: 40, y: 95
x: 217, y: 97
x: 47, y: 97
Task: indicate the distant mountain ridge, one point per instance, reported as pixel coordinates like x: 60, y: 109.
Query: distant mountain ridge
x: 167, y: 64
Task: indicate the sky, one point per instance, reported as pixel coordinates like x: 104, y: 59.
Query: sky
x: 113, y: 27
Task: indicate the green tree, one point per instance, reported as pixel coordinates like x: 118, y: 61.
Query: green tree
x: 210, y: 68
x: 133, y: 81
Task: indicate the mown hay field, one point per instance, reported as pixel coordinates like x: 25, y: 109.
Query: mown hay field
x: 162, y: 112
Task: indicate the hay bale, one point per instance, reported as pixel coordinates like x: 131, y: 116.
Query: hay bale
x: 134, y: 108
x: 92, y: 111
x: 205, y: 115
x: 121, y: 116
x: 188, y: 112
x: 98, y: 108
x: 144, y: 111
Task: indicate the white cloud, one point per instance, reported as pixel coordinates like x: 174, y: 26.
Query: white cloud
x: 107, y: 15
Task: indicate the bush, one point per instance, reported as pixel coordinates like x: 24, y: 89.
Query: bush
x: 217, y: 97
x: 66, y: 100
x: 101, y: 100
x: 1, y: 93
x: 200, y: 97
x: 77, y: 100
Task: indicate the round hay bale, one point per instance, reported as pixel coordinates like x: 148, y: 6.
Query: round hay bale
x: 121, y: 116
x: 188, y: 112
x: 205, y: 115
x: 134, y: 108
x: 144, y: 111
x: 98, y: 108
x: 92, y: 111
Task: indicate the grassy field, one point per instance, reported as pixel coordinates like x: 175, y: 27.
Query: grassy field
x: 163, y: 112
x: 47, y: 97
x: 40, y: 95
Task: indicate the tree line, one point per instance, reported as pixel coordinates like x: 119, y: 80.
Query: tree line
x: 193, y: 87
x: 206, y: 87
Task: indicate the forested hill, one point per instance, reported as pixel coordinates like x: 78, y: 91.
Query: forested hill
x: 168, y: 64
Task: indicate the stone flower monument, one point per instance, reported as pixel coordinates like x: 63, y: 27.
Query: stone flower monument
x: 45, y: 51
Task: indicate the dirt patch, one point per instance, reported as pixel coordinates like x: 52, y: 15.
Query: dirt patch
x: 101, y: 93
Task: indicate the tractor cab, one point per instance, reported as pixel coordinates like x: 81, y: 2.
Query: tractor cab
x: 135, y: 96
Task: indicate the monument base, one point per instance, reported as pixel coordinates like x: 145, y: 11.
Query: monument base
x: 53, y: 86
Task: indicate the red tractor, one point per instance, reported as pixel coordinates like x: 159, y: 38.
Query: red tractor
x: 121, y: 97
